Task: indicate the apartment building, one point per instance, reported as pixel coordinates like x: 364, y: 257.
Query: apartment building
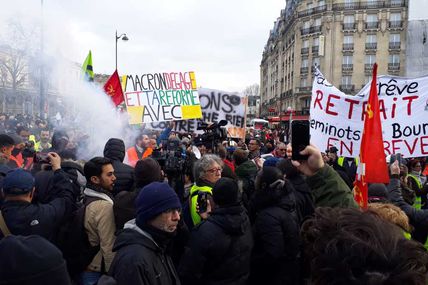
x: 343, y: 38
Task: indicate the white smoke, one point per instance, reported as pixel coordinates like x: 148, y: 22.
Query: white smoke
x: 87, y: 110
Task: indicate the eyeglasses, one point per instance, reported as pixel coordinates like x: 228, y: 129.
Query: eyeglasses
x: 214, y: 170
x: 282, y: 149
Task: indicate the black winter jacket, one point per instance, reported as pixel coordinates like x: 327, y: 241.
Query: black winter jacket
x: 219, y: 249
x: 304, y: 201
x: 139, y: 260
x: 115, y: 150
x: 417, y: 218
x: 23, y: 218
x: 276, y: 254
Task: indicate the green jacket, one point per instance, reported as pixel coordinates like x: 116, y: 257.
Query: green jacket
x: 246, y: 169
x: 329, y: 190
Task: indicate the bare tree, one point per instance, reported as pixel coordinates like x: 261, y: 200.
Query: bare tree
x: 252, y: 90
x: 16, y: 52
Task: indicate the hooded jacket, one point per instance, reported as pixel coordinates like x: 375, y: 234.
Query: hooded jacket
x: 276, y: 254
x: 219, y: 250
x: 115, y: 150
x: 140, y: 260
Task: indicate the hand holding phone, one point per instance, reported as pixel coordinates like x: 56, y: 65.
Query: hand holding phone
x: 202, y: 202
x: 299, y: 138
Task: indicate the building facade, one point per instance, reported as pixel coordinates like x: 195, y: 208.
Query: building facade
x: 343, y: 38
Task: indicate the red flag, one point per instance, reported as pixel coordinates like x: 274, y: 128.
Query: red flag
x: 113, y: 88
x: 361, y: 191
x: 372, y: 166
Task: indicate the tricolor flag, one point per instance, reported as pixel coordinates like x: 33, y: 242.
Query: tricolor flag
x: 372, y: 167
x: 87, y: 70
x: 113, y: 88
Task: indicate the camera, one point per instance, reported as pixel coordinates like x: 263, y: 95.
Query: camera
x: 171, y: 156
x: 213, y: 134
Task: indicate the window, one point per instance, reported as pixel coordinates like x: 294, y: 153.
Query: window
x: 321, y: 3
x: 306, y: 25
x: 346, y: 80
x: 349, y: 19
x: 305, y: 62
x: 307, y: 103
x: 395, y: 20
x: 372, y: 3
x: 316, y: 42
x: 394, y: 38
x: 395, y: 17
x: 367, y: 79
x: 396, y: 3
x: 348, y: 39
x: 394, y: 59
x: 370, y: 59
x: 372, y: 18
x: 349, y: 4
x: 371, y: 39
x: 316, y: 61
x: 303, y: 82
x: 347, y: 59
x: 317, y: 22
x: 305, y: 43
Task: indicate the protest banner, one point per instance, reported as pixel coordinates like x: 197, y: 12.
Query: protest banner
x: 216, y: 105
x: 159, y: 97
x: 337, y: 119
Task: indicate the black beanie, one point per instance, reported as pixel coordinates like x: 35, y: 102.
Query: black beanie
x: 377, y: 192
x: 225, y: 192
x: 31, y: 260
x: 147, y: 171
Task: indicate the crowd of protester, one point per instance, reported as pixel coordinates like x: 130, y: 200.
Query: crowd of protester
x: 231, y: 212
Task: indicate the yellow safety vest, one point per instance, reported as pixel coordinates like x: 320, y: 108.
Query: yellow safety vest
x: 418, y: 201
x: 194, y: 200
x: 341, y: 159
x: 407, y: 235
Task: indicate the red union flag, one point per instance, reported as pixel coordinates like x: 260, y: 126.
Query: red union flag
x: 113, y: 88
x: 372, y: 167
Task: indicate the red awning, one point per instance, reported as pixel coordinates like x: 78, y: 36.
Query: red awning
x: 297, y: 117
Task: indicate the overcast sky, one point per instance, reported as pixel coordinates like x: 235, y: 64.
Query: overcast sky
x: 221, y: 40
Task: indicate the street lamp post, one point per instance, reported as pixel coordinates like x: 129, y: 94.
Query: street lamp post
x: 290, y: 110
x: 124, y: 38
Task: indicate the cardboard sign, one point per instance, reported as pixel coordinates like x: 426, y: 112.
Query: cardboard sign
x: 216, y: 105
x: 158, y: 97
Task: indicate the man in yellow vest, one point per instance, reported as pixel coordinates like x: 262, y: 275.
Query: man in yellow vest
x: 43, y: 143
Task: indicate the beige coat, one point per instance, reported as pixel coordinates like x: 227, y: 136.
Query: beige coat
x: 100, y: 227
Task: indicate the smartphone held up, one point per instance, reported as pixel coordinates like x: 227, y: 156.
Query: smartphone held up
x: 300, y: 138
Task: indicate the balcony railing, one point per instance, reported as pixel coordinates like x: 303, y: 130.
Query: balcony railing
x: 393, y: 66
x: 305, y: 31
x: 315, y: 49
x: 304, y: 50
x: 395, y: 24
x: 349, y: 26
x: 312, y: 11
x: 368, y: 67
x: 347, y: 87
x: 304, y: 89
x: 348, y: 47
x: 347, y: 67
x: 372, y: 25
x: 371, y: 46
x: 368, y: 5
x: 315, y: 29
x: 304, y: 70
x: 394, y: 45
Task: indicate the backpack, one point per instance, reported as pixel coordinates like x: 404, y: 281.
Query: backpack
x: 73, y: 240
